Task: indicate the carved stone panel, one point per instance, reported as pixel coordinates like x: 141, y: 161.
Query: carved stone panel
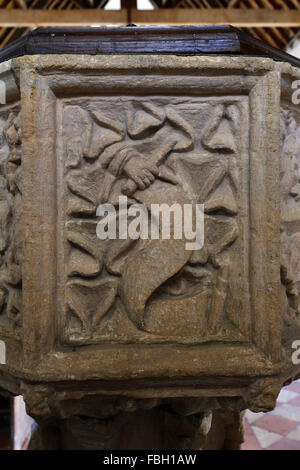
x: 157, y: 131
x: 144, y: 290
x: 10, y: 221
x: 290, y: 209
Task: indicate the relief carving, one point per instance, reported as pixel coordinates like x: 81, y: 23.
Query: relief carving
x: 153, y: 151
x: 10, y: 221
x: 129, y: 331
x: 290, y: 212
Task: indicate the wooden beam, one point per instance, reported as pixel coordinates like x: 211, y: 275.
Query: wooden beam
x: 251, y: 17
x: 265, y: 33
x: 165, y: 16
x: 232, y: 3
x: 129, y: 5
x: 21, y: 4
x: 51, y: 18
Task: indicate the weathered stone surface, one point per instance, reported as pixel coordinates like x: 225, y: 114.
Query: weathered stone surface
x: 146, y: 331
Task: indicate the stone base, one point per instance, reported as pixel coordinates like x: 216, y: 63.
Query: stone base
x: 161, y: 428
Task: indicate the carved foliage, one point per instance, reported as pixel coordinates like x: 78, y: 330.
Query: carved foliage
x: 10, y: 221
x: 153, y: 151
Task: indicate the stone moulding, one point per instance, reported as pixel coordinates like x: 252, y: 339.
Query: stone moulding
x: 53, y: 342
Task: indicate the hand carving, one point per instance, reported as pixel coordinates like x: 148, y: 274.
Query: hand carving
x: 141, y: 171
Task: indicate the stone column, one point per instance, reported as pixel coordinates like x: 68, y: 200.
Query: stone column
x: 145, y: 343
